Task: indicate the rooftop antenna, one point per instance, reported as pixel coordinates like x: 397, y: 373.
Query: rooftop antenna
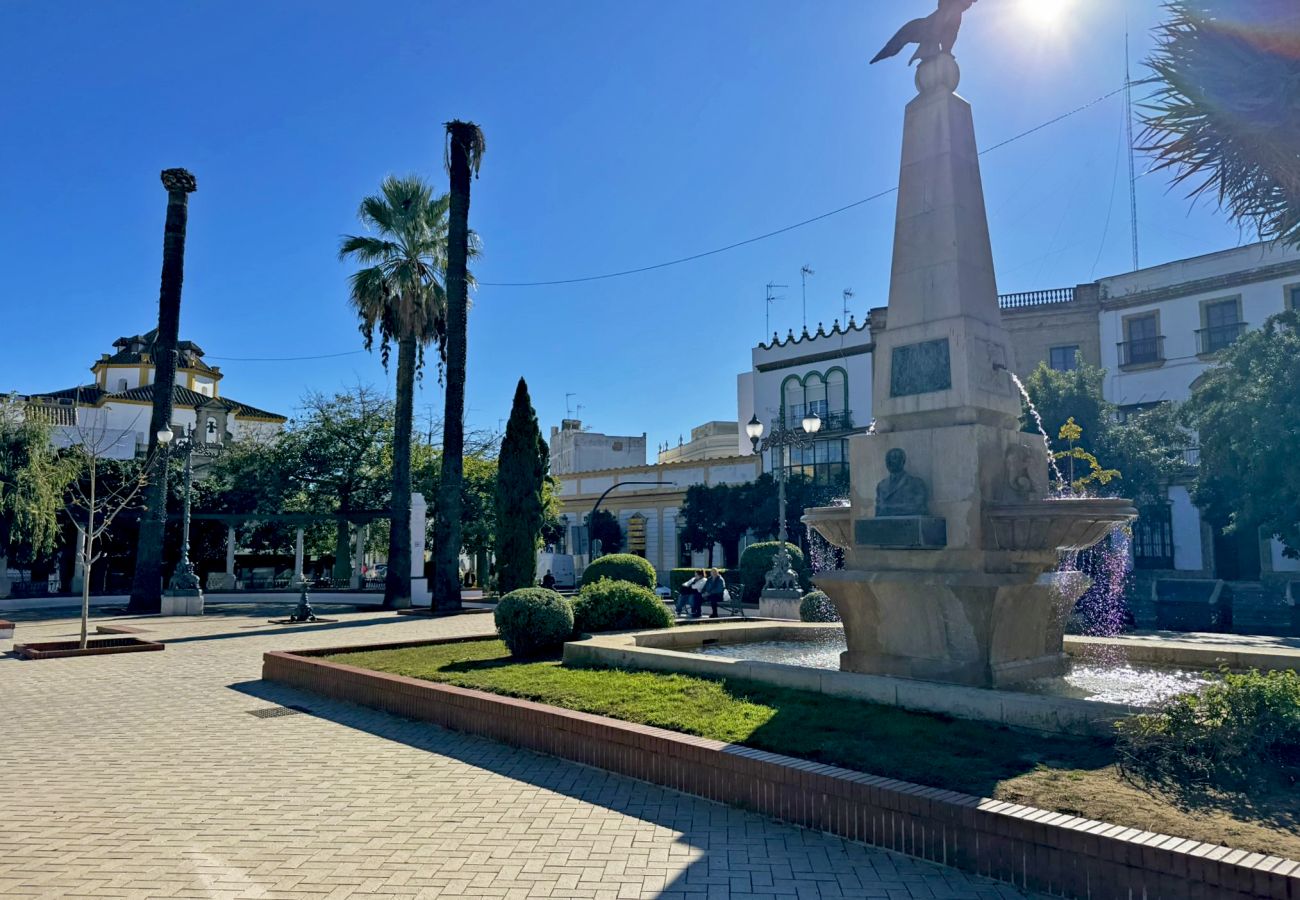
x: 1132, y: 178
x: 579, y: 412
x: 568, y: 407
x: 848, y: 295
x: 804, y: 272
x: 771, y: 295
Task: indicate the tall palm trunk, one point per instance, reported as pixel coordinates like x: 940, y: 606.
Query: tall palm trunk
x: 146, y: 586
x: 446, y: 572
x: 397, y: 583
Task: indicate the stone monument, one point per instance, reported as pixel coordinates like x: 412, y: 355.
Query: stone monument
x: 951, y: 542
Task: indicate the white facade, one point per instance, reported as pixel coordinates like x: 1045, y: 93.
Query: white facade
x: 575, y: 450
x: 712, y: 440
x: 112, y: 414
x: 1159, y: 328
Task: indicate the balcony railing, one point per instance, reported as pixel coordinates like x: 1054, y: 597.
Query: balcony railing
x: 1190, y: 457
x: 1036, y: 298
x: 1214, y: 339
x: 831, y: 421
x: 1142, y: 352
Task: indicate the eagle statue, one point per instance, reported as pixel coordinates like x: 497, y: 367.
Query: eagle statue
x: 933, y: 35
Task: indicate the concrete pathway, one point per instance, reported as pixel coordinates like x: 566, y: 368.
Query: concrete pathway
x: 148, y: 775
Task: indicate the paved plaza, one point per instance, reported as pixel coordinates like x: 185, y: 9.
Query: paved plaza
x: 146, y: 775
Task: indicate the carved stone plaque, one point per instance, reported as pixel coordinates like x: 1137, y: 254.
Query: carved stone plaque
x: 920, y: 369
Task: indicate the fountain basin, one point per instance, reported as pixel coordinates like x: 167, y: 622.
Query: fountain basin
x: 678, y: 650
x: 1070, y: 523
x: 834, y: 523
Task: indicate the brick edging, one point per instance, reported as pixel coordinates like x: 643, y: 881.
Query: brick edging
x: 1027, y: 847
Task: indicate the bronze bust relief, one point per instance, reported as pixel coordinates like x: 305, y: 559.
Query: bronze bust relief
x: 901, y: 494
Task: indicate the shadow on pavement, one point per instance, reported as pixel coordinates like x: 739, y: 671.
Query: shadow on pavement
x: 735, y: 852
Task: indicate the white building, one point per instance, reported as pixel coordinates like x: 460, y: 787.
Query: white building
x: 1160, y: 329
x: 828, y: 373
x: 712, y: 440
x: 574, y: 449
x: 113, y: 411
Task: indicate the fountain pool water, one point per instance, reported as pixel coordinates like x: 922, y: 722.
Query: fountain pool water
x: 1101, y: 681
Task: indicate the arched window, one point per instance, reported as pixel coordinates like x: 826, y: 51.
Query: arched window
x: 792, y: 398
x: 814, y: 394
x: 837, y: 391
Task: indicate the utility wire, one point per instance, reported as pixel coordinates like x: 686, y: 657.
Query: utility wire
x: 706, y: 253
x: 771, y: 234
x: 282, y: 358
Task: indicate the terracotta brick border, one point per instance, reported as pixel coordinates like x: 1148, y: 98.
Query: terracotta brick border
x: 94, y: 647
x: 1030, y: 848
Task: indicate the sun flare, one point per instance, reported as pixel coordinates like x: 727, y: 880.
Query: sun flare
x: 1047, y: 13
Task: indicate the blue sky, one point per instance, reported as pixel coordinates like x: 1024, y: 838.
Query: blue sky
x: 619, y: 135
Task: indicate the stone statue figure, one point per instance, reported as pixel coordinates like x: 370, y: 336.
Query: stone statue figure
x: 901, y: 494
x: 1019, y: 480
x: 934, y: 34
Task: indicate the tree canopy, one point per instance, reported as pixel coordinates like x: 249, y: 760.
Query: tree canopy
x: 520, y: 495
x: 32, y: 482
x: 1247, y: 410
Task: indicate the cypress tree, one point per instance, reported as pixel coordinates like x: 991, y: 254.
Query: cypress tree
x: 521, y: 475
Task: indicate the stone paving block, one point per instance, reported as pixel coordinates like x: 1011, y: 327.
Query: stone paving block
x: 160, y: 784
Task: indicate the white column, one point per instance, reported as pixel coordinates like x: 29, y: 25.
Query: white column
x: 79, y: 563
x: 420, y: 592
x: 230, y: 552
x: 297, y: 558
x: 359, y: 557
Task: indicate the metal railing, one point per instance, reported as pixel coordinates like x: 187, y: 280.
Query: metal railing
x: 1036, y: 298
x: 1215, y: 338
x: 1190, y: 457
x: 841, y: 420
x: 1142, y: 352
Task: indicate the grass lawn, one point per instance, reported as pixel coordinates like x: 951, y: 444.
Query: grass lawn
x: 1072, y: 775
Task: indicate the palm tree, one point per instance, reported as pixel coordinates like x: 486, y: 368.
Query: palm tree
x: 146, y: 583
x: 1226, y: 113
x: 462, y: 156
x: 400, y: 295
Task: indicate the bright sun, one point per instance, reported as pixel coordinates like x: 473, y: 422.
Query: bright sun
x: 1045, y: 12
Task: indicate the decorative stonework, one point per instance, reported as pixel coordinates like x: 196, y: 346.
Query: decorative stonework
x: 922, y: 368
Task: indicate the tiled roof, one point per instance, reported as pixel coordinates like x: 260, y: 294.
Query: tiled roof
x: 182, y: 396
x: 88, y: 394
x: 191, y: 354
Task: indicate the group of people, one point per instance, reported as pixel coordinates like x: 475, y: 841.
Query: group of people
x: 705, y: 587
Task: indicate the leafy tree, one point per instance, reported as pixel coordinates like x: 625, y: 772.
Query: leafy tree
x: 399, y: 294
x: 32, y: 481
x: 606, y: 529
x: 336, y: 455
x: 1247, y: 410
x: 702, y: 514
x: 1139, y: 456
x: 1225, y: 116
x: 462, y: 157
x: 520, y: 500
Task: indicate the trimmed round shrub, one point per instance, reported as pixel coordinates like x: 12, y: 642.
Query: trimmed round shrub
x: 756, y: 562
x: 533, y: 621
x: 621, y: 567
x: 817, y: 607
x: 618, y: 606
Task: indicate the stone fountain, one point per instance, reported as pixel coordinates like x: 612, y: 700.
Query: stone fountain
x: 951, y: 539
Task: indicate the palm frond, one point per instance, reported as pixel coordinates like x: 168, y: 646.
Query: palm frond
x: 469, y: 136
x: 1225, y: 115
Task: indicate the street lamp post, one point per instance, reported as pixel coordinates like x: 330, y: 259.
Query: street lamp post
x: 184, y: 595
x: 591, y: 522
x: 782, y: 576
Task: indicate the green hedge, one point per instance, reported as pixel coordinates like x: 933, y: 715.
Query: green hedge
x: 756, y: 562
x: 533, y: 621
x: 618, y: 606
x: 621, y: 567
x: 678, y: 577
